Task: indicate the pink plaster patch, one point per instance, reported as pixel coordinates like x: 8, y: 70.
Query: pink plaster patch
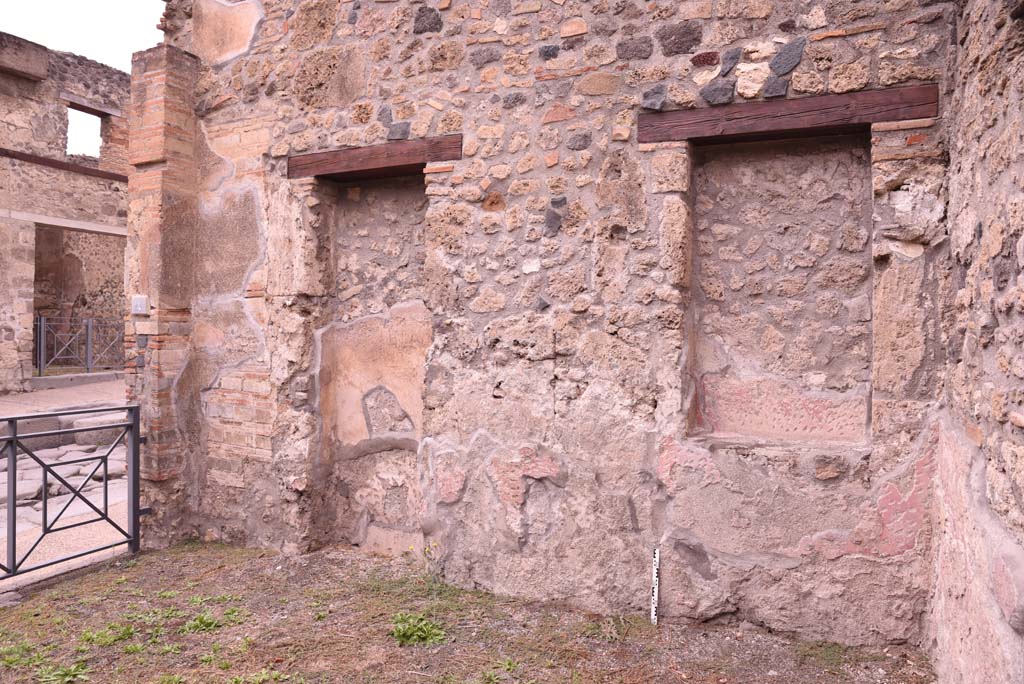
x: 449, y: 480
x: 674, y: 456
x: 895, y: 522
x: 763, y: 407
x: 508, y: 469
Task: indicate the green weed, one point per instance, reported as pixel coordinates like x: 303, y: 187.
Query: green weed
x: 415, y: 628
x: 109, y: 636
x: 21, y: 654
x: 62, y: 675
x: 203, y: 622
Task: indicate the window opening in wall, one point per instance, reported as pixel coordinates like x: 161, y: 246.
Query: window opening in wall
x: 84, y: 137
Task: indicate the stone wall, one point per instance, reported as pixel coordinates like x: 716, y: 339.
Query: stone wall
x: 502, y: 356
x: 977, y: 617
x: 36, y: 85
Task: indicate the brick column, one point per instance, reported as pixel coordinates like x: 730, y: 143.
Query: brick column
x: 162, y: 225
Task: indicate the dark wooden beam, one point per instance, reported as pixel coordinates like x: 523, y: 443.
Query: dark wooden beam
x: 391, y: 159
x: 83, y: 105
x: 788, y: 118
x: 62, y: 165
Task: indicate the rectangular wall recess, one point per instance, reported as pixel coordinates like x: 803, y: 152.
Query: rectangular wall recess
x: 782, y: 284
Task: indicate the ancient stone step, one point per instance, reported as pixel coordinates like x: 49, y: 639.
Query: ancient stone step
x: 101, y: 437
x: 29, y: 425
x: 115, y: 470
x: 28, y: 490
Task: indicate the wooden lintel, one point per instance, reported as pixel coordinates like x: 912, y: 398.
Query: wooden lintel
x: 83, y: 105
x: 62, y: 165
x: 391, y: 159
x: 76, y: 225
x: 793, y: 117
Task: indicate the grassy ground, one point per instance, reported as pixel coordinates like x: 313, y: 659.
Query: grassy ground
x: 210, y: 614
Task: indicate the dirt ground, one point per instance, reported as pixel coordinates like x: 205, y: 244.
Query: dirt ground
x: 208, y: 613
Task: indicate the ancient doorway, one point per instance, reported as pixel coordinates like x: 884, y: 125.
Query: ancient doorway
x: 372, y: 360
x: 78, y: 301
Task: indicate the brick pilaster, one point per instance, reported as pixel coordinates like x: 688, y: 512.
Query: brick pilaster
x: 162, y: 227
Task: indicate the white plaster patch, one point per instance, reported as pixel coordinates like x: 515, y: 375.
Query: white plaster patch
x: 222, y: 31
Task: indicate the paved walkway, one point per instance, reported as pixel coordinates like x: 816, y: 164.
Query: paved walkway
x: 68, y: 448
x: 77, y: 396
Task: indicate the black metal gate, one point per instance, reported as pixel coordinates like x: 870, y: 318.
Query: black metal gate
x: 68, y: 342
x: 14, y: 445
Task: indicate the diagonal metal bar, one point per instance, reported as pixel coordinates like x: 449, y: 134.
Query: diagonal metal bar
x: 73, y: 525
x: 72, y: 556
x: 110, y: 346
x: 11, y: 444
x: 77, y: 492
x: 57, y: 354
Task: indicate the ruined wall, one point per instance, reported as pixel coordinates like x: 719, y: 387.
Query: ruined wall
x: 35, y: 84
x: 977, y: 620
x: 500, y: 357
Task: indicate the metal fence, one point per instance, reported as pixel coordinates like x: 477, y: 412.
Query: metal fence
x: 14, y: 446
x: 87, y: 343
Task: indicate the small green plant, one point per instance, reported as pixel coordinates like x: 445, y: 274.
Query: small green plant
x: 170, y: 649
x: 203, y: 622
x: 21, y: 654
x: 155, y: 616
x: 489, y: 677
x: 235, y: 616
x: 166, y: 594
x: 508, y: 665
x: 613, y: 629
x: 261, y: 677
x: 134, y: 648
x: 109, y: 636
x: 825, y: 654
x: 171, y: 679
x: 320, y: 615
x: 206, y: 658
x: 62, y: 675
x: 220, y: 598
x: 415, y: 628
x: 224, y: 665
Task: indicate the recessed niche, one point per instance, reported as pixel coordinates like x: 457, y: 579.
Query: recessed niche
x: 782, y: 269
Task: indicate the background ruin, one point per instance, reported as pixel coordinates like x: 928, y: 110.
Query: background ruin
x: 793, y: 365
x: 62, y: 217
